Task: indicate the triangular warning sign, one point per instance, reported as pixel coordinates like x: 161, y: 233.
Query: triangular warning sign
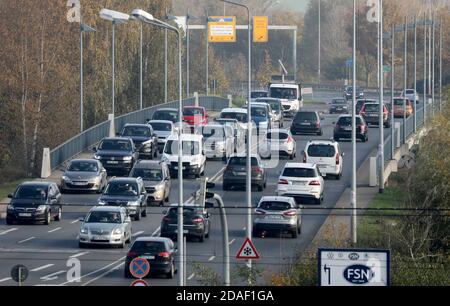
x: 247, y: 251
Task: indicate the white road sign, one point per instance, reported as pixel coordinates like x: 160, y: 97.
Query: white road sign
x: 354, y: 267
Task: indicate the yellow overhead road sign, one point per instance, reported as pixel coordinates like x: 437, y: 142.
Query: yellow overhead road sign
x: 260, y: 29
x: 221, y: 29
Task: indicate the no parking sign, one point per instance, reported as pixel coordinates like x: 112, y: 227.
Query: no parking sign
x: 139, y: 267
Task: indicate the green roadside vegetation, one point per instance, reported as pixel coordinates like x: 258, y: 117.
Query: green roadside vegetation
x: 8, y: 188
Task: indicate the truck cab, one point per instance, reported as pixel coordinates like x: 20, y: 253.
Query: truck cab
x: 290, y: 96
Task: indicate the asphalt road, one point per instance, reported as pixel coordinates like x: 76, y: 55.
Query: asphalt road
x: 47, y: 250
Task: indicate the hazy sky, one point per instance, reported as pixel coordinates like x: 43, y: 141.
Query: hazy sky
x: 299, y: 5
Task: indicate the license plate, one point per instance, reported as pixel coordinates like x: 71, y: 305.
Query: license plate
x: 148, y: 257
x: 305, y: 123
x: 79, y: 184
x: 299, y: 183
x: 176, y: 168
x: 347, y: 128
x: 274, y: 217
x: 241, y: 173
x: 100, y: 238
x: 112, y: 162
x: 25, y: 215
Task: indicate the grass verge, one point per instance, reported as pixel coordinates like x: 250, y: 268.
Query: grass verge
x: 8, y: 188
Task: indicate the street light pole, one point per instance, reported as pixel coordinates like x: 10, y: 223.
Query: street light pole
x: 392, y: 90
x: 187, y: 55
x: 432, y: 65
x: 166, y: 59
x: 81, y: 79
x: 405, y: 76
x: 425, y: 68
x: 440, y: 65
x: 141, y: 83
x: 320, y: 44
x: 207, y: 54
x: 381, y: 111
x: 353, y: 194
x: 415, y: 75
x: 113, y: 68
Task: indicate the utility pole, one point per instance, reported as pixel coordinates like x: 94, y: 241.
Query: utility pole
x: 425, y: 68
x: 320, y: 44
x: 353, y: 195
x: 207, y: 52
x: 166, y: 70
x: 433, y: 47
x: 440, y: 65
x: 187, y: 55
x: 415, y: 75
x: 405, y: 76
x: 392, y: 90
x: 381, y: 91
x: 141, y: 83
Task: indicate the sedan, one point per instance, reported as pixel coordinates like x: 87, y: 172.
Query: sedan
x: 84, y: 175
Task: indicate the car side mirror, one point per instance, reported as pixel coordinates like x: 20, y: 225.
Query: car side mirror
x: 53, y: 198
x: 62, y: 169
x: 333, y: 122
x: 164, y: 212
x: 81, y: 219
x: 94, y: 149
x: 118, y: 135
x: 322, y: 174
x: 10, y: 196
x: 343, y: 154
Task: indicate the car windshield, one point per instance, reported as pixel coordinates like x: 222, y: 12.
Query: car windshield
x: 148, y: 247
x: 192, y: 112
x: 104, y: 217
x: 339, y: 102
x: 137, y: 131
x: 274, y: 206
x: 321, y: 151
x: 306, y: 116
x: 409, y: 91
x: 81, y: 166
x: 189, y: 147
x: 283, y: 93
x: 212, y: 132
x: 160, y: 126
x: 275, y: 106
x: 259, y: 112
x: 299, y: 172
x: 241, y: 117
x: 31, y: 193
x: 115, y: 145
x: 347, y: 121
x: 121, y: 189
x: 148, y: 174
x: 242, y: 161
x: 371, y: 108
x: 276, y: 136
x: 166, y: 115
x: 258, y: 94
x: 188, y: 212
x: 398, y: 102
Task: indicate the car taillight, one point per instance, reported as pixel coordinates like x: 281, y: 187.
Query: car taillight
x: 197, y: 220
x: 338, y: 127
x: 337, y: 159
x: 362, y: 113
x: 283, y: 182
x: 131, y: 254
x: 290, y: 213
x: 257, y: 170
x: 167, y: 219
x: 290, y: 139
x: 229, y: 168
x: 362, y: 127
x: 318, y: 124
x: 260, y: 212
x: 314, y: 183
x: 164, y: 254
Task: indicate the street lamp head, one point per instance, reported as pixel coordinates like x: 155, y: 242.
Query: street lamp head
x: 114, y: 16
x: 142, y: 15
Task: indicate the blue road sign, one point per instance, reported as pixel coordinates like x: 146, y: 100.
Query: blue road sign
x: 349, y: 63
x: 139, y: 267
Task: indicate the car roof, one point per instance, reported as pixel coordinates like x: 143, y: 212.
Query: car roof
x: 278, y: 131
x: 234, y: 110
x: 300, y: 165
x: 322, y: 141
x: 37, y: 183
x: 124, y: 179
x: 161, y: 121
x: 212, y: 125
x: 347, y: 116
x: 243, y: 155
x: 284, y: 85
x: 136, y: 124
x: 84, y: 160
x: 186, y: 137
x: 195, y: 107
x: 267, y: 99
x: 259, y: 90
x: 107, y: 208
x: 117, y: 138
x: 257, y: 104
x: 278, y: 199
x: 166, y: 109
x: 154, y: 239
x: 190, y: 205
x: 153, y: 164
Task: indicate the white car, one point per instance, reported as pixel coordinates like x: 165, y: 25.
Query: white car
x: 163, y: 129
x: 219, y: 140
x: 105, y: 225
x: 290, y: 96
x: 302, y: 182
x: 327, y: 155
x: 411, y: 94
x: 193, y: 157
x: 280, y: 141
x: 240, y: 114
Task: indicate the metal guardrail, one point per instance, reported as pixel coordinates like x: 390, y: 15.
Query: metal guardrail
x: 90, y: 137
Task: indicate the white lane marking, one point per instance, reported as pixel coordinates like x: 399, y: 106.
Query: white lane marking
x: 25, y: 240
x: 74, y: 221
x: 231, y: 242
x: 8, y: 231
x: 211, y: 258
x: 191, y: 276
x: 156, y: 231
x: 137, y: 233
x: 54, y: 230
x: 42, y: 268
x: 5, y: 279
x: 79, y: 255
x: 52, y: 276
x: 103, y: 274
x: 93, y: 272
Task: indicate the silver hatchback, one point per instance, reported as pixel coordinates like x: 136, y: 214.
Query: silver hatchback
x: 277, y: 215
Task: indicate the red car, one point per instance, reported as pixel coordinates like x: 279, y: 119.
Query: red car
x: 195, y: 115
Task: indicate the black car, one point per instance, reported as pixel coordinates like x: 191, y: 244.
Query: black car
x: 170, y: 114
x: 343, y: 128
x: 144, y: 138
x: 306, y: 123
x: 117, y: 155
x: 159, y: 252
x: 35, y: 202
x: 339, y: 106
x: 126, y: 192
x: 360, y: 104
x: 196, y: 222
x: 348, y: 93
x: 235, y: 173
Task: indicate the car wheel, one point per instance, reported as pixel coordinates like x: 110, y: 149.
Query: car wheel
x: 299, y: 228
x: 9, y: 222
x: 294, y: 233
x: 320, y: 133
x: 137, y: 217
x: 59, y: 215
x: 171, y: 273
x: 202, y: 237
x: 335, y: 138
x: 291, y: 157
x: 129, y: 239
x: 48, y: 218
x: 225, y: 187
x: 155, y: 155
x: 144, y: 213
x: 166, y: 200
x: 256, y: 233
x: 261, y: 187
x: 81, y: 245
x: 122, y: 245
x: 127, y: 273
x: 209, y: 231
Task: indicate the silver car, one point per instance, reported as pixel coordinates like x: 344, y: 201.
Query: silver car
x: 163, y: 129
x: 219, y: 140
x: 277, y: 214
x: 106, y: 225
x: 156, y: 177
x: 84, y: 175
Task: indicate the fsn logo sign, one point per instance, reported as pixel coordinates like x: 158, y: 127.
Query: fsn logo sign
x: 358, y: 274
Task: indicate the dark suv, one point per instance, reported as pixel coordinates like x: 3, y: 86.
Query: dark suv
x: 343, y: 128
x: 35, y: 202
x: 144, y: 139
x: 159, y: 252
x: 371, y: 114
x: 117, y: 155
x: 306, y: 123
x: 236, y: 172
x: 170, y: 114
x: 196, y: 221
x: 126, y: 192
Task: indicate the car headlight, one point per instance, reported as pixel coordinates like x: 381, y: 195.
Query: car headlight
x: 98, y: 157
x: 41, y: 208
x: 66, y: 178
x: 127, y: 158
x: 117, y: 231
x: 159, y: 187
x: 133, y: 203
x: 83, y: 230
x: 10, y: 207
x: 101, y: 202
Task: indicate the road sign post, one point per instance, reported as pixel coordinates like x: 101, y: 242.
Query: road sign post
x: 19, y: 274
x: 353, y: 267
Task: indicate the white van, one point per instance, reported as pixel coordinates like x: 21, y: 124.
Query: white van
x: 193, y: 157
x: 327, y: 155
x: 290, y: 96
